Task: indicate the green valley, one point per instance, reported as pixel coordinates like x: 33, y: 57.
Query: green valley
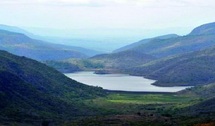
x: 34, y: 93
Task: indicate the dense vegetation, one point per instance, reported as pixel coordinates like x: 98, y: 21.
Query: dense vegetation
x: 150, y: 109
x: 188, y: 69
x: 32, y: 93
x: 30, y: 90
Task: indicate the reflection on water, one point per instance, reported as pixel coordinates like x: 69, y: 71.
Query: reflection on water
x: 122, y: 82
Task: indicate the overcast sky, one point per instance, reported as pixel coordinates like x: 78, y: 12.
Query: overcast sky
x: 108, y: 14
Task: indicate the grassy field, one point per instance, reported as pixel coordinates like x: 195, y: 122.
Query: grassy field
x: 133, y: 109
x: 147, y: 98
x: 133, y: 99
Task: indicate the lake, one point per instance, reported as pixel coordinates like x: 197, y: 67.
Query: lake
x: 120, y: 82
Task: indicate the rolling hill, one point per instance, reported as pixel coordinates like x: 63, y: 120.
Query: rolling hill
x: 200, y: 38
x: 121, y: 60
x: 205, y: 29
x: 15, y: 35
x: 22, y: 45
x: 104, y: 63
x: 32, y: 91
x: 195, y: 68
x: 162, y: 47
x: 136, y: 44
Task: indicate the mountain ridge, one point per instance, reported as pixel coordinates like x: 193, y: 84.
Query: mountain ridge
x: 20, y: 44
x: 208, y: 28
x: 133, y: 45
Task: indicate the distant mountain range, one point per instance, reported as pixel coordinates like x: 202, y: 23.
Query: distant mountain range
x: 31, y: 90
x: 23, y: 43
x: 172, y: 60
x: 200, y: 38
x: 144, y: 41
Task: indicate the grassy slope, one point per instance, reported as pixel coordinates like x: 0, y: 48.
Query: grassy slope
x: 189, y: 69
x: 35, y: 84
x: 123, y: 59
x: 105, y: 63
x: 31, y: 90
x: 140, y: 109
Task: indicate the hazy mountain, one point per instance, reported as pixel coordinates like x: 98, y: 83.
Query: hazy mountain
x: 136, y: 44
x: 31, y: 90
x: 204, y: 29
x: 16, y: 29
x: 22, y: 45
x: 52, y: 40
x: 160, y: 48
x: 169, y: 47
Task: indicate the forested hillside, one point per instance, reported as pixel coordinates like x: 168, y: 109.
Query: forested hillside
x: 30, y: 90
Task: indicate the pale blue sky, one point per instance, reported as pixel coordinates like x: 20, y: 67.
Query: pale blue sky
x: 146, y: 17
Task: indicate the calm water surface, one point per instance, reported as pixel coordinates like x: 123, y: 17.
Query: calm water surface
x: 122, y: 82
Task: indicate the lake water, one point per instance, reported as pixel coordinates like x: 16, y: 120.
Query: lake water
x: 120, y: 82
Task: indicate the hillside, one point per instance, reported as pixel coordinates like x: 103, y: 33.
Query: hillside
x: 169, y: 47
x: 201, y: 113
x: 20, y: 44
x: 121, y: 60
x: 204, y: 29
x: 195, y: 68
x: 15, y: 29
x: 30, y: 90
x: 200, y: 38
x: 204, y: 91
x: 104, y: 63
x: 136, y: 44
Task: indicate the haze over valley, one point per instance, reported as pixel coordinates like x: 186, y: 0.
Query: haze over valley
x: 105, y: 63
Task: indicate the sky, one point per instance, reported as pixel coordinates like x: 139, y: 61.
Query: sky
x: 107, y: 18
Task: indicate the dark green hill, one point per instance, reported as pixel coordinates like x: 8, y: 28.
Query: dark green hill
x: 201, y: 113
x: 30, y: 90
x: 195, y: 68
x: 203, y: 91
